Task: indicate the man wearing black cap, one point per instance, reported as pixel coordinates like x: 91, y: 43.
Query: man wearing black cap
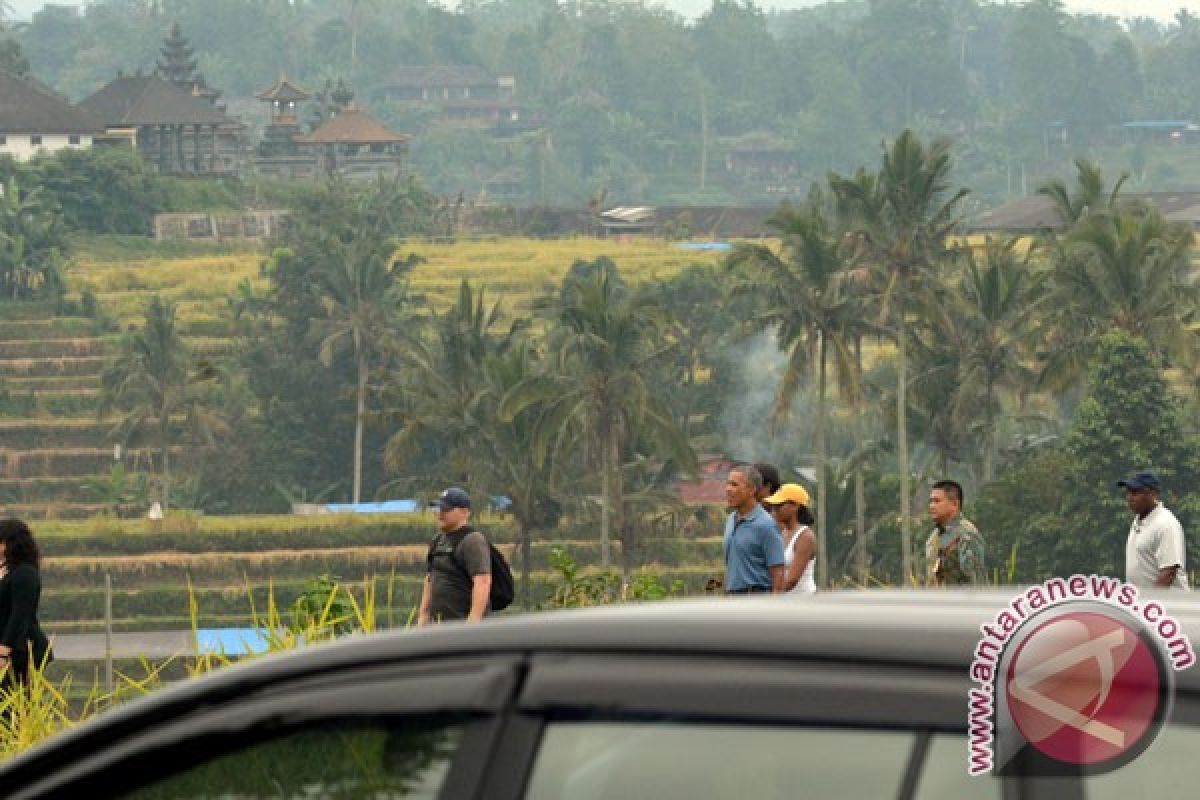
x: 1154, y: 551
x: 458, y: 580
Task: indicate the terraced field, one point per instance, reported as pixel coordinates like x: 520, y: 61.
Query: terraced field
x: 229, y: 565
x: 52, y: 444
x: 54, y: 450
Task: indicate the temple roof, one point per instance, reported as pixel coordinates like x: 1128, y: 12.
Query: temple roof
x: 151, y: 100
x: 284, y: 90
x: 28, y: 108
x: 352, y: 126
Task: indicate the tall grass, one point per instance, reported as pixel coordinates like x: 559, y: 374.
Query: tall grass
x: 45, y: 706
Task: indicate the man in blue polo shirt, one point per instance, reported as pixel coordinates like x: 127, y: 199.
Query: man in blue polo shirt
x: 753, y: 546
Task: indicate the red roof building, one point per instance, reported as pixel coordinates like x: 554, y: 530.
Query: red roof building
x: 709, y: 490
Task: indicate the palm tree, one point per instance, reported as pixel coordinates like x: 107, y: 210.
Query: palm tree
x: 1089, y: 197
x: 901, y: 219
x: 996, y: 313
x: 361, y: 298
x: 513, y: 467
x: 1129, y: 270
x: 441, y: 380
x: 807, y: 298
x: 596, y: 386
x: 153, y: 381
x: 359, y: 279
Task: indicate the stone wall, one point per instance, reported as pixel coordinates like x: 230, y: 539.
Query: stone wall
x: 218, y: 227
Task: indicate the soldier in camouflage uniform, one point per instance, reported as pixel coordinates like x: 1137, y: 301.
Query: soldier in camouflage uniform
x: 954, y: 553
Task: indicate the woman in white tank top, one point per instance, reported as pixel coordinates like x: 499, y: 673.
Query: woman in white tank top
x: 790, y: 508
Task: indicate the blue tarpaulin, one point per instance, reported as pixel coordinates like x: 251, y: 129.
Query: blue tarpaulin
x: 231, y: 641
x: 704, y: 246
x: 386, y: 507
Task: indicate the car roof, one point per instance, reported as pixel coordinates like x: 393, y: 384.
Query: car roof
x: 931, y: 629
x: 910, y: 627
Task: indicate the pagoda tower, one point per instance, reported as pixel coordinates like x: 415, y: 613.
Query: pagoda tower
x: 283, y: 99
x: 177, y: 64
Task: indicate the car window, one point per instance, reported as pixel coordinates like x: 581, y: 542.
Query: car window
x: 1166, y: 769
x: 378, y: 759
x: 664, y: 761
x: 944, y: 774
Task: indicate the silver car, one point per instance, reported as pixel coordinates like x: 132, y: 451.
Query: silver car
x: 844, y: 695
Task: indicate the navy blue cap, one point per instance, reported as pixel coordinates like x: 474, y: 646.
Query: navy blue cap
x: 453, y: 498
x: 1141, y: 480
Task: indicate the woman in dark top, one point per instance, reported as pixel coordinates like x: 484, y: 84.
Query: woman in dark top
x: 21, y: 637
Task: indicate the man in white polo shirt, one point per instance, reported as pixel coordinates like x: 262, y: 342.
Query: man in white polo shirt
x: 1154, y: 551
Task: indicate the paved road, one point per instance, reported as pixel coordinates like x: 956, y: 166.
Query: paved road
x: 154, y: 645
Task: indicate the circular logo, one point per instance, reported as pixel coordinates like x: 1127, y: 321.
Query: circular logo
x: 1087, y: 688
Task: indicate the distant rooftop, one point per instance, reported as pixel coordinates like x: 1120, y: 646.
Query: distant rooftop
x: 26, y: 107
x: 352, y: 126
x: 150, y: 100
x: 1035, y: 214
x: 634, y: 214
x: 283, y: 91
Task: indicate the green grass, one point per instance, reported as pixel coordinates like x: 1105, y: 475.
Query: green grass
x: 118, y: 247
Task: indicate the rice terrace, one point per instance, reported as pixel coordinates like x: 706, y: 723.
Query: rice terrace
x: 57, y: 456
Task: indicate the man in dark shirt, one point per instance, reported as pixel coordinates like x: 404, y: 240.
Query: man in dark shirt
x: 458, y: 581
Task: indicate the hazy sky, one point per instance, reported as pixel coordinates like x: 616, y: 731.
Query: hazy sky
x: 1160, y: 9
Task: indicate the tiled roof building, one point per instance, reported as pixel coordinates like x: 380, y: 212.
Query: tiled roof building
x: 33, y: 119
x: 356, y: 145
x: 465, y: 95
x: 174, y: 129
x: 350, y: 142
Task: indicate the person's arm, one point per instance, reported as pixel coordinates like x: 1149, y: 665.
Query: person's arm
x: 426, y: 601
x: 1166, y: 577
x: 802, y: 552
x: 971, y: 557
x: 777, y: 578
x: 25, y: 587
x: 1169, y: 554
x: 477, y: 559
x: 931, y: 557
x: 481, y: 594
x: 772, y: 543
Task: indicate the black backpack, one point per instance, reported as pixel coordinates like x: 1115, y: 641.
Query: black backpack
x: 503, y: 586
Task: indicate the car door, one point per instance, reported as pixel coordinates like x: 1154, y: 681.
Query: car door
x: 420, y: 730
x: 696, y: 726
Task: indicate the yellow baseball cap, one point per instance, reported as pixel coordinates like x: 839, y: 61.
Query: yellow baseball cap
x: 789, y: 493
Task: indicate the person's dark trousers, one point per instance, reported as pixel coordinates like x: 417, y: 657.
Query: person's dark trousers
x: 17, y: 673
x: 750, y: 590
